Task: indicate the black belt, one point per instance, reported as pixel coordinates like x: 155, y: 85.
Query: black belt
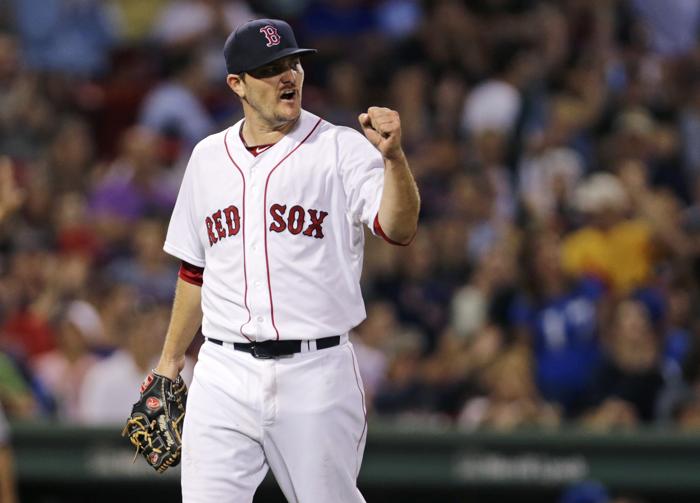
x: 276, y: 349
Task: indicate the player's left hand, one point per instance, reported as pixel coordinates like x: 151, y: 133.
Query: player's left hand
x: 382, y: 127
x: 155, y: 424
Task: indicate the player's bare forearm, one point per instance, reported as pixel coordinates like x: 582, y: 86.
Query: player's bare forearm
x: 398, y: 211
x: 185, y: 319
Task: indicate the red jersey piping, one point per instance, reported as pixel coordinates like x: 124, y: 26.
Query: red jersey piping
x: 362, y: 394
x: 243, y: 221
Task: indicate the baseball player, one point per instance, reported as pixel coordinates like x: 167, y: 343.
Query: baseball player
x: 268, y: 225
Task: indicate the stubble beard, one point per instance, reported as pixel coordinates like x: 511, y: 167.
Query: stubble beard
x: 283, y: 120
x: 273, y: 118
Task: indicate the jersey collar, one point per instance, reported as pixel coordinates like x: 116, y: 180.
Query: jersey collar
x: 307, y: 121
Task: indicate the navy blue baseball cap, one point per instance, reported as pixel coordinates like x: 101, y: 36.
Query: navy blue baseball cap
x: 259, y: 42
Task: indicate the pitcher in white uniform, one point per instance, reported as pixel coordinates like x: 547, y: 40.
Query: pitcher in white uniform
x: 269, y: 227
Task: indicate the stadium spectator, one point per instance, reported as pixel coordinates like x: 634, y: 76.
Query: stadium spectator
x: 26, y: 331
x: 62, y: 370
x: 511, y: 399
x: 147, y: 269
x: 472, y: 305
x: 557, y: 316
x: 671, y: 25
x: 70, y: 156
x: 628, y: 384
x: 547, y: 182
x: 451, y: 375
x: 186, y: 22
x: 64, y: 36
x: 134, y: 19
x: 610, y: 246
x: 403, y: 392
x: 344, y: 94
x: 111, y: 385
x: 174, y: 108
x: 134, y: 186
x: 16, y: 396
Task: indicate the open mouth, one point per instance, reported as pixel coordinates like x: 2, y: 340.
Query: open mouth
x: 288, y: 95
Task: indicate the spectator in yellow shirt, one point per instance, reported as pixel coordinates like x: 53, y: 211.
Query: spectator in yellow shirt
x: 612, y: 246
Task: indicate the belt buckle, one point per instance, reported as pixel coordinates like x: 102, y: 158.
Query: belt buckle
x: 259, y: 352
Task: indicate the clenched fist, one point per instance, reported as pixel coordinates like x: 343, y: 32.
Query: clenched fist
x: 382, y: 127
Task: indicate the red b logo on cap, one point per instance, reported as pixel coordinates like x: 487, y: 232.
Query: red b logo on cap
x: 270, y: 32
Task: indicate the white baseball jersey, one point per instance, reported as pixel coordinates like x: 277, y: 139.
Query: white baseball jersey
x: 279, y: 234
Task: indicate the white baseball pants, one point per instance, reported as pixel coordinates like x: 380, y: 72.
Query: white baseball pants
x: 303, y: 416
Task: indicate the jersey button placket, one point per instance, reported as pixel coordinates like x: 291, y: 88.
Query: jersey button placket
x: 260, y: 301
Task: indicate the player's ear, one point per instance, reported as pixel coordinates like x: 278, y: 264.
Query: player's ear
x: 237, y: 83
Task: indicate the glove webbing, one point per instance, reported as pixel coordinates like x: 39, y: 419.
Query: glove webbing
x: 142, y: 431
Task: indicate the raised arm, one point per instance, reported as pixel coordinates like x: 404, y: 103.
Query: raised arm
x: 400, y: 204
x: 185, y: 319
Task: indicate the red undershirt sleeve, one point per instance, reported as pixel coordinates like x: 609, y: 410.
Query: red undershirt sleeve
x: 191, y: 273
x: 380, y: 232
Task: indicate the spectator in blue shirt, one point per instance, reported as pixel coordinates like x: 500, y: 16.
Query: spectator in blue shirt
x: 558, y: 318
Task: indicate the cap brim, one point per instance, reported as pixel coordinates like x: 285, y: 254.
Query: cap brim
x: 281, y: 54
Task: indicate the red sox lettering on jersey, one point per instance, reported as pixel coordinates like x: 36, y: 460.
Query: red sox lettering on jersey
x: 294, y: 222
x: 279, y: 234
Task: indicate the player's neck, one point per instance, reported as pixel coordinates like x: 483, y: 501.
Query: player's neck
x: 258, y: 132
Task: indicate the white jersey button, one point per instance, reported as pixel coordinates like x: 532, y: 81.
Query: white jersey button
x: 258, y: 284
x: 260, y: 319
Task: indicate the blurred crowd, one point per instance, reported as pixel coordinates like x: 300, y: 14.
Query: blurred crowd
x: 556, y: 144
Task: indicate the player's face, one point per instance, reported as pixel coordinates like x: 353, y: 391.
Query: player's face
x: 273, y: 91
